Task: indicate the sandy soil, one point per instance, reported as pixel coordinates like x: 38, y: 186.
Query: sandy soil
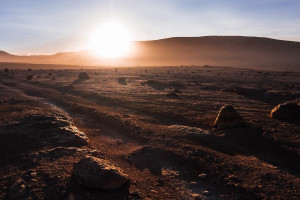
x: 157, y: 127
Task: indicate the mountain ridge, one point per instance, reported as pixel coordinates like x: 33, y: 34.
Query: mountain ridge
x: 236, y: 51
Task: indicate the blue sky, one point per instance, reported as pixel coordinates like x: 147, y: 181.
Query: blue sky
x: 42, y: 26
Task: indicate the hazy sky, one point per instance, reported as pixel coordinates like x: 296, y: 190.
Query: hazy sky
x: 49, y: 26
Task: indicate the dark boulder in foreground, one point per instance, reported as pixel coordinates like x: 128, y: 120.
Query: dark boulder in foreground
x: 98, y: 173
x: 83, y: 76
x: 228, y: 117
x: 286, y: 111
x: 6, y: 70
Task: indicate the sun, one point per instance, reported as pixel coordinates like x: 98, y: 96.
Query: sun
x: 111, y: 40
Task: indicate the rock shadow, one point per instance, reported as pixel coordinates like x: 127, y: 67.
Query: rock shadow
x: 160, y: 86
x: 78, y: 81
x: 263, y: 95
x: 250, y: 141
x: 153, y: 159
x: 81, y: 192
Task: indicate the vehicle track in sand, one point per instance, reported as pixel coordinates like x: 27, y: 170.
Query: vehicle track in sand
x: 160, y: 178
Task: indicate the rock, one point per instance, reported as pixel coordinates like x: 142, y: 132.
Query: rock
x: 172, y: 95
x: 29, y: 77
x: 228, y: 118
x: 83, y: 76
x: 196, y: 196
x: 286, y: 111
x: 193, y: 183
x: 206, y: 192
x: 202, y: 176
x: 189, y: 130
x: 6, y: 70
x: 17, y: 190
x: 122, y: 81
x: 4, y: 100
x: 98, y: 173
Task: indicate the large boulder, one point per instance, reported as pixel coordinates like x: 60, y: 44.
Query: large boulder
x: 286, y: 111
x: 98, y: 173
x: 228, y: 117
x: 83, y: 76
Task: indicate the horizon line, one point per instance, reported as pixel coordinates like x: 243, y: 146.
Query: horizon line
x: 172, y: 37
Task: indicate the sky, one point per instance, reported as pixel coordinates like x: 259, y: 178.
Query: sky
x: 46, y: 27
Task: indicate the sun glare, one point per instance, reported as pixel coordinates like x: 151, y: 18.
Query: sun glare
x: 111, y: 40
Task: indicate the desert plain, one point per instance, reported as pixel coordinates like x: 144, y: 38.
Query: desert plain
x: 155, y: 124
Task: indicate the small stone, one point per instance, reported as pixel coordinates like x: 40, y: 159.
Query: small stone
x: 83, y: 76
x: 193, y: 183
x: 29, y: 77
x: 122, y: 81
x: 154, y: 191
x: 33, y: 173
x: 202, y: 176
x: 205, y: 192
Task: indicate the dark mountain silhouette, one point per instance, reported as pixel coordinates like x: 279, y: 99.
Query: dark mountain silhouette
x: 236, y: 51
x: 5, y: 55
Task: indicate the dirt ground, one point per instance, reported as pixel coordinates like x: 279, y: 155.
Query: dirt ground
x: 156, y: 126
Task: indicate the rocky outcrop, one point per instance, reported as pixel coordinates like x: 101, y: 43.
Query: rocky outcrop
x: 55, y: 130
x: 98, y: 173
x: 228, y: 118
x: 286, y: 111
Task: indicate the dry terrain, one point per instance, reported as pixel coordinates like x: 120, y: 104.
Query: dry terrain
x: 156, y: 124
x: 234, y: 51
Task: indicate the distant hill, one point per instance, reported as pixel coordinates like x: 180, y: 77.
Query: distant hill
x: 236, y: 51
x: 5, y: 55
